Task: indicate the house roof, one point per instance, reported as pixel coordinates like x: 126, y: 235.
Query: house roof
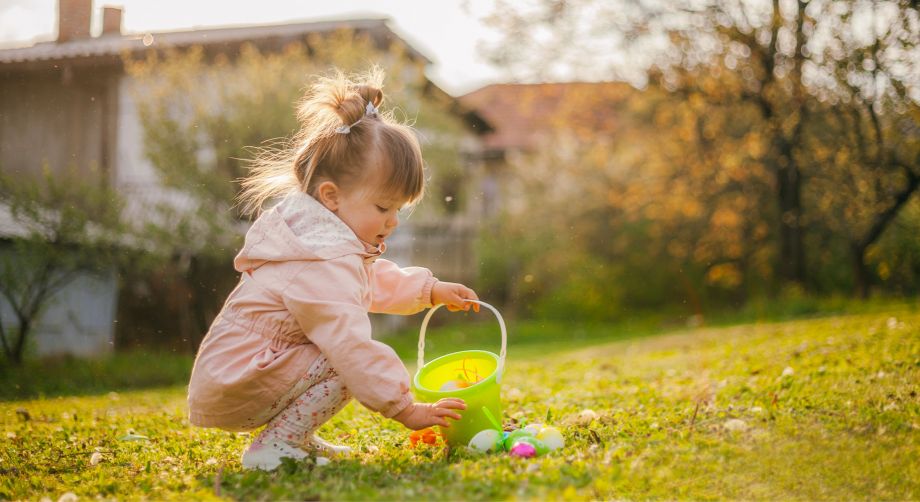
x: 111, y: 47
x: 521, y: 114
x: 114, y: 45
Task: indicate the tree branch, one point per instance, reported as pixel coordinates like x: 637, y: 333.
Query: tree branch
x: 6, y: 345
x: 882, y: 219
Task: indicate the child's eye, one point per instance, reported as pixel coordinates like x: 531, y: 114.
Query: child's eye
x: 382, y: 209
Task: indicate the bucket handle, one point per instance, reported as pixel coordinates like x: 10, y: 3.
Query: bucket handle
x: 501, y: 322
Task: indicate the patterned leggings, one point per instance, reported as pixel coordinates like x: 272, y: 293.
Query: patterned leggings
x: 314, y: 399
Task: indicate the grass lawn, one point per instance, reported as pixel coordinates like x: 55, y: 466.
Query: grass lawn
x: 823, y: 408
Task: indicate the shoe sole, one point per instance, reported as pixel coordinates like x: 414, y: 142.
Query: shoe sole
x: 261, y: 466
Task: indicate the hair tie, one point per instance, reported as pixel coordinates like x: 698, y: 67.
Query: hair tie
x: 369, y: 111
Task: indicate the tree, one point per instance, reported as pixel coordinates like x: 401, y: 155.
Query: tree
x: 631, y: 212
x: 790, y: 62
x: 874, y: 105
x: 64, y: 226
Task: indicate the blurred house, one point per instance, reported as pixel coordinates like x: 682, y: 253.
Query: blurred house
x: 523, y: 118
x: 67, y: 102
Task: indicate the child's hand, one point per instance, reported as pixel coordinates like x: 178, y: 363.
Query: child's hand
x: 453, y: 295
x: 420, y: 415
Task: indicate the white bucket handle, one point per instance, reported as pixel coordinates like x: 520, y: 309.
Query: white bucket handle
x: 501, y: 322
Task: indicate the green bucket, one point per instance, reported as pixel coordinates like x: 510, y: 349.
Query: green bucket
x: 472, y: 375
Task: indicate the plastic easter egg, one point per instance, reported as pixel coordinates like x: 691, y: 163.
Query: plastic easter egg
x: 523, y: 450
x: 455, y: 385
x: 427, y: 436
x: 534, y: 428
x: 551, y: 437
x: 449, y: 385
x: 539, y: 446
x: 509, y: 441
x: 485, y: 440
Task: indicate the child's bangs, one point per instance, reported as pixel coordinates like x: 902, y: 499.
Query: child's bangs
x: 402, y: 168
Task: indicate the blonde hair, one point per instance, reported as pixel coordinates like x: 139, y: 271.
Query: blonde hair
x: 375, y: 144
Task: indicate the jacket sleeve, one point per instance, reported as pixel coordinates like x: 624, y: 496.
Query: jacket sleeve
x: 397, y: 290
x: 326, y: 300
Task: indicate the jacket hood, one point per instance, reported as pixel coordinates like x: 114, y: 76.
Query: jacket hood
x: 300, y: 228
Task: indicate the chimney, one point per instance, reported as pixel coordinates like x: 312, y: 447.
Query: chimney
x: 111, y: 20
x: 73, y: 19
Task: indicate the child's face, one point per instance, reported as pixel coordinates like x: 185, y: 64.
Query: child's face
x: 372, y: 217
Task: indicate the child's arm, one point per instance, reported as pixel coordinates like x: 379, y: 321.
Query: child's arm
x: 397, y: 290
x: 409, y: 290
x: 327, y: 302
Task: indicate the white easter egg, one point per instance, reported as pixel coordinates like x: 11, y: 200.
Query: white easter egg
x: 534, y: 428
x: 485, y: 440
x: 551, y: 437
x: 449, y: 385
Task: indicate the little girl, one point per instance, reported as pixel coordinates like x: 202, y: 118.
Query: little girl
x: 292, y: 343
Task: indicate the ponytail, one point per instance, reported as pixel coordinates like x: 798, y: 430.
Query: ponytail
x: 342, y: 138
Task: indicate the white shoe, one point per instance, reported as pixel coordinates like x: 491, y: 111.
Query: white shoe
x: 321, y: 445
x: 268, y: 456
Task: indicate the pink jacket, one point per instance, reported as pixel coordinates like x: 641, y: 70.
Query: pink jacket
x: 307, y: 286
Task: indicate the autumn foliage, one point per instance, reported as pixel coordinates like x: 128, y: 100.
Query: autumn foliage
x: 753, y: 158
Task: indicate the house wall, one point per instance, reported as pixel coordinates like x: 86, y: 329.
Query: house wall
x: 82, y: 318
x: 61, y: 121
x: 133, y: 175
x: 64, y: 120
x: 78, y: 319
x: 132, y: 169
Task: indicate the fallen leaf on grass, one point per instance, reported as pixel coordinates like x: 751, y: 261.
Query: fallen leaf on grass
x: 735, y: 425
x: 584, y: 418
x: 133, y: 437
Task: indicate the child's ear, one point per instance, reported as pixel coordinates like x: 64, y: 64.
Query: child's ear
x: 329, y: 194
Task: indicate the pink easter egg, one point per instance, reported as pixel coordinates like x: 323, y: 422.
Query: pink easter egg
x: 523, y: 450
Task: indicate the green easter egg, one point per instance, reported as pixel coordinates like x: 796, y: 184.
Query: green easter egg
x: 512, y: 436
x: 538, y: 445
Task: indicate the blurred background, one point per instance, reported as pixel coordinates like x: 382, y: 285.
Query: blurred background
x: 597, y: 168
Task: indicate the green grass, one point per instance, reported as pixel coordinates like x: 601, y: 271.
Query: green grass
x: 534, y: 337
x: 139, y: 369
x: 843, y: 422
x: 64, y: 376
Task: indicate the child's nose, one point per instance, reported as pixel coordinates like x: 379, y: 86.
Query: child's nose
x: 393, y: 221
